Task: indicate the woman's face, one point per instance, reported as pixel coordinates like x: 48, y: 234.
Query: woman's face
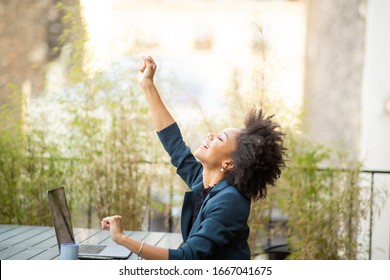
x: 217, y: 149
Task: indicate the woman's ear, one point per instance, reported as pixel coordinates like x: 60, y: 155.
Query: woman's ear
x: 228, y: 165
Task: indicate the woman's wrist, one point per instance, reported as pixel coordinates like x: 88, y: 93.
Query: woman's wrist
x: 148, y: 83
x: 120, y: 239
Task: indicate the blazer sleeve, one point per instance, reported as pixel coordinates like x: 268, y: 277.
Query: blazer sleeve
x: 187, y: 167
x: 225, y: 219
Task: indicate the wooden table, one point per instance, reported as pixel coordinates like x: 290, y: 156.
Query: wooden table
x: 39, y: 243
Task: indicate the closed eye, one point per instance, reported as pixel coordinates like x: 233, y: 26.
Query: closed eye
x: 221, y: 139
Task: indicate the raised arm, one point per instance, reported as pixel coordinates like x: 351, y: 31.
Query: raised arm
x: 160, y: 115
x: 169, y: 133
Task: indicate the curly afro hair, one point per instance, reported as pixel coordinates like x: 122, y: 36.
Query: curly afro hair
x: 259, y: 156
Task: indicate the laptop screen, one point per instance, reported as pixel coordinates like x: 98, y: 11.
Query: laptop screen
x: 61, y: 216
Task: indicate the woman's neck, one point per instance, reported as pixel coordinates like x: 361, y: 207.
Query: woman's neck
x: 212, y: 177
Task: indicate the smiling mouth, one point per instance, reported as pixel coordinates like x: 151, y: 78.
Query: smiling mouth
x: 204, y: 146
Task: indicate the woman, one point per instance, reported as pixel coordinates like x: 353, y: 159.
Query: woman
x: 233, y: 167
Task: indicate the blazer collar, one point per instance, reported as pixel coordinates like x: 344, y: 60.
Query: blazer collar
x: 218, y: 187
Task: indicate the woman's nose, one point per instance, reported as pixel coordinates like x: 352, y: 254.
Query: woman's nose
x: 210, y: 136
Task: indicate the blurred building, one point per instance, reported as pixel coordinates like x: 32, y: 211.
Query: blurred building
x: 347, y: 93
x: 30, y: 33
x: 375, y: 115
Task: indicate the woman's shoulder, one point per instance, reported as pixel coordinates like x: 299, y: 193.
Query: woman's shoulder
x: 233, y: 196
x: 231, y: 205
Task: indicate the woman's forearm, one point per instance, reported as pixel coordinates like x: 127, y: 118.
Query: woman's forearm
x: 148, y: 252
x: 160, y: 115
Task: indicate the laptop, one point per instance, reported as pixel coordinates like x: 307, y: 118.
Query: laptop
x: 64, y: 232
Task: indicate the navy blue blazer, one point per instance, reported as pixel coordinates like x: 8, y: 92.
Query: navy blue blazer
x: 220, y: 230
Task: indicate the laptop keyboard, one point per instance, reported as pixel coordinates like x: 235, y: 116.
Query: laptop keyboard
x: 91, y: 249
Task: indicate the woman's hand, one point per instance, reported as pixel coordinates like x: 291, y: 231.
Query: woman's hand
x: 147, y: 71
x: 114, y: 225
